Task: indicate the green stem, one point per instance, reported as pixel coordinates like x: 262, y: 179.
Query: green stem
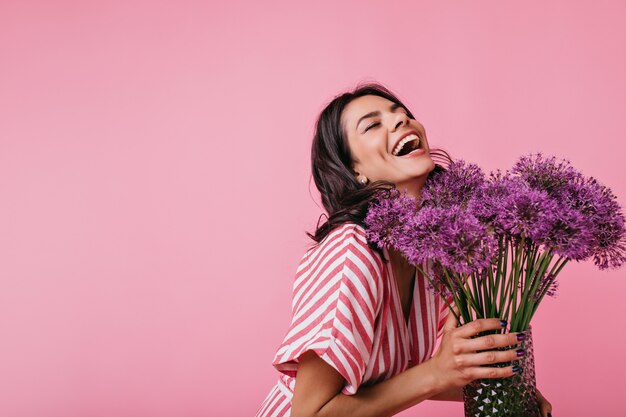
x: 490, y: 302
x: 514, y: 281
x: 496, y: 285
x: 504, y: 281
x: 477, y: 293
x: 544, y: 262
x: 554, y: 273
x: 468, y: 302
x: 532, y: 271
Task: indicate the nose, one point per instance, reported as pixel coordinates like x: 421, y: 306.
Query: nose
x: 399, y: 119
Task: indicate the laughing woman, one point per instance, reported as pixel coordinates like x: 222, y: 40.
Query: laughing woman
x: 364, y: 324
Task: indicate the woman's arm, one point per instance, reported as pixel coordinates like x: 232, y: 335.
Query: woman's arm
x: 318, y: 385
x: 317, y: 392
x: 452, y: 394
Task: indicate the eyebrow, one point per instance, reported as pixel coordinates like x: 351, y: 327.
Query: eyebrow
x: 393, y: 107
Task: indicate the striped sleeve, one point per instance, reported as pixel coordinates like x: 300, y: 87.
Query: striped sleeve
x: 336, y: 297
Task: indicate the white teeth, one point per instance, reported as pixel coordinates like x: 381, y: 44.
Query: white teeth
x: 402, y: 142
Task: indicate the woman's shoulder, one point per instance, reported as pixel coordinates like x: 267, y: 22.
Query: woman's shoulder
x: 349, y: 231
x: 347, y: 241
x: 345, y: 234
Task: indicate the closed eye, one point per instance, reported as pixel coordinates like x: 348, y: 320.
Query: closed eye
x: 370, y: 126
x: 377, y: 123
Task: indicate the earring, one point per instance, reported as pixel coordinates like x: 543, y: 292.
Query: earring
x: 361, y: 178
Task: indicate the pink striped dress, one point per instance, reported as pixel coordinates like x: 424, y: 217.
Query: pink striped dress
x: 346, y: 308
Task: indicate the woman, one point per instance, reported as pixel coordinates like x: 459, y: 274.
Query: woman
x: 364, y: 324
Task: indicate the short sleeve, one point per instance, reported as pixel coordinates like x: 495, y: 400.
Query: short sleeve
x: 337, y: 295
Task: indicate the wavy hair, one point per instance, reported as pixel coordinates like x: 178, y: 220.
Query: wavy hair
x: 344, y: 198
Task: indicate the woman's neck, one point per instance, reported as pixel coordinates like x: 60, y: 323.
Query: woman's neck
x: 414, y: 187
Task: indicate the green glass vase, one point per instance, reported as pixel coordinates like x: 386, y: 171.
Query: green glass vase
x: 513, y: 396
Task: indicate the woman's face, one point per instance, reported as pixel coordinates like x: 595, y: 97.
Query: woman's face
x: 374, y: 138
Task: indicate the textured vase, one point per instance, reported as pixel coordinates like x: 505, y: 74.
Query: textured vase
x: 512, y: 396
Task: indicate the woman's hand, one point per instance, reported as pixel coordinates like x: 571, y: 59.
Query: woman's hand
x: 544, y: 405
x: 457, y: 360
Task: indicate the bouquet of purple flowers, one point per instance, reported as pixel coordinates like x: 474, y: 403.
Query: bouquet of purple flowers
x: 497, y: 243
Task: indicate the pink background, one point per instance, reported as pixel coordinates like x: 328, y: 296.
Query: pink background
x: 155, y: 182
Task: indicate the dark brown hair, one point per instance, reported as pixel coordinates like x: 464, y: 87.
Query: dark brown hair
x: 343, y: 197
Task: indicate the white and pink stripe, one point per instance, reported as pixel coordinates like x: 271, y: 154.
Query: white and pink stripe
x: 346, y: 307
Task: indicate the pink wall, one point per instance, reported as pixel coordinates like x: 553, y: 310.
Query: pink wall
x: 154, y: 174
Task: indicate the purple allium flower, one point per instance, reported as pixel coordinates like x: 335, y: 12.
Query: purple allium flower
x: 570, y: 234
x: 419, y: 236
x: 514, y: 209
x: 601, y: 222
x: 386, y: 215
x: 527, y: 213
x: 608, y: 254
x: 599, y: 206
x: 455, y: 186
x: 487, y: 201
x: 547, y: 174
x: 461, y: 218
x: 451, y: 236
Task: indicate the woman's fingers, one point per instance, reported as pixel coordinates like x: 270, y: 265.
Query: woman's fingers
x: 480, y: 325
x: 490, y: 357
x: 491, y: 341
x: 463, y: 355
x: 451, y: 322
x: 481, y: 372
x: 486, y: 342
x: 544, y: 405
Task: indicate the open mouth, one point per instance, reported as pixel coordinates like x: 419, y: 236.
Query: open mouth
x: 407, y: 145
